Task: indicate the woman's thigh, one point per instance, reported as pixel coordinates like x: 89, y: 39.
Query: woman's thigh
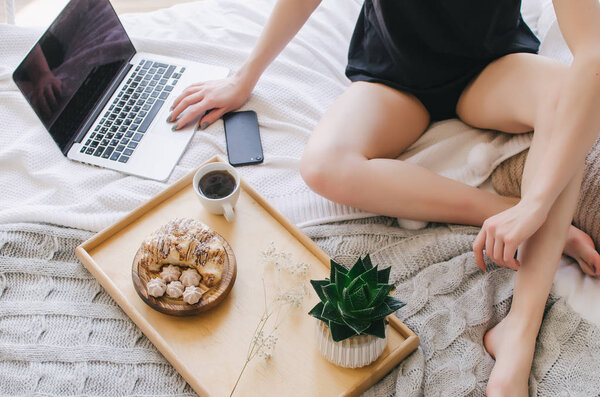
x: 367, y: 121
x: 511, y: 92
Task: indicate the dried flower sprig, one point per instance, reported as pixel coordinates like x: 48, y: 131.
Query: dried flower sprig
x: 287, y: 297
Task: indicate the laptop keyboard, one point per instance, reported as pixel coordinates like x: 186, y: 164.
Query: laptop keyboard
x: 129, y: 116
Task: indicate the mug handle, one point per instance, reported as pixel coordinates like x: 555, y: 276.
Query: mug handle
x: 228, y: 212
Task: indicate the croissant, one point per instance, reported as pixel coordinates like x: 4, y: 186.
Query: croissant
x: 186, y: 243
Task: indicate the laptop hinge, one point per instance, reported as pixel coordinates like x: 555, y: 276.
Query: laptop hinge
x: 99, y: 106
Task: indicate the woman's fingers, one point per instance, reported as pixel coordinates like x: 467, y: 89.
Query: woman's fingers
x: 190, y: 99
x: 489, y: 244
x: 192, y: 113
x: 184, y: 94
x: 211, y: 117
x: 478, y: 245
x: 498, y: 254
x: 510, y: 250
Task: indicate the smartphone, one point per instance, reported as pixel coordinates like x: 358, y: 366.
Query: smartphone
x: 243, y: 138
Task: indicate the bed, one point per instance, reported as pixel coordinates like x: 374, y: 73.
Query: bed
x: 50, y: 204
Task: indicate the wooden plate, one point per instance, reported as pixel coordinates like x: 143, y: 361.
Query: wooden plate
x: 177, y: 307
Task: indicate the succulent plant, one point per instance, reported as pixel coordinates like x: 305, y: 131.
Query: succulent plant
x: 355, y: 301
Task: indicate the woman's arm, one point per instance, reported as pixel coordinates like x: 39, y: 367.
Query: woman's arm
x: 576, y: 128
x: 222, y: 96
x: 578, y: 111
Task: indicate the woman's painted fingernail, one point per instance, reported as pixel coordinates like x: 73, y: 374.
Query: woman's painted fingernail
x: 169, y: 117
x: 204, y: 125
x: 175, y: 127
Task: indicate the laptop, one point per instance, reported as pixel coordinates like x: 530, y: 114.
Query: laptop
x: 103, y: 102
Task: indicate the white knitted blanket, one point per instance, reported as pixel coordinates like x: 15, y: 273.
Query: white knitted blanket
x: 40, y: 185
x: 61, y: 334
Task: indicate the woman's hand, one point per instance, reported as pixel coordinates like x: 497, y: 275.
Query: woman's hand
x: 215, y: 98
x: 502, y: 234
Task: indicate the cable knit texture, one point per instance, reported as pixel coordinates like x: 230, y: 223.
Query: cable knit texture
x: 62, y: 334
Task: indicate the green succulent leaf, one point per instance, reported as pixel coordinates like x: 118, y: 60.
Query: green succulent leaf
x: 331, y: 292
x: 394, y: 303
x: 318, y: 287
x: 316, y: 312
x: 336, y: 266
x: 383, y: 276
x: 358, y: 326
x: 342, y: 281
x: 339, y: 332
x: 357, y: 269
x: 358, y: 300
x: 367, y: 262
x: 331, y: 313
x: 382, y: 311
x: 355, y: 284
x: 377, y: 329
x: 363, y: 314
x: 370, y: 277
x: 379, y: 295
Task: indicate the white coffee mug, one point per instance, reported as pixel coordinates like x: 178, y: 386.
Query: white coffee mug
x: 220, y: 206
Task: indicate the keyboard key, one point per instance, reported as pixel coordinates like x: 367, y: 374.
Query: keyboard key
x: 132, y: 145
x: 108, y: 152
x: 160, y: 87
x: 114, y: 142
x: 131, y: 115
x: 136, y: 109
x: 88, y: 142
x: 138, y: 78
x: 125, y: 97
x: 176, y: 76
x: 131, y: 102
x: 182, y: 70
x: 170, y: 71
x: 90, y: 150
x: 121, y: 104
x: 164, y: 95
x: 153, y: 112
x: 137, y: 137
x: 109, y: 135
x: 137, y: 94
x: 138, y: 120
x: 160, y: 71
x: 127, y: 122
x: 146, y: 107
x: 113, y: 128
x: 103, y: 130
x: 99, y: 151
x: 118, y: 110
x: 123, y: 159
x: 147, y: 65
x: 153, y: 83
x: 118, y: 122
x: 115, y: 156
x: 122, y: 129
x: 126, y: 109
x: 156, y: 77
x: 151, y: 100
x: 119, y: 135
x: 125, y: 140
x: 133, y: 127
x: 138, y: 68
x: 97, y: 127
x: 148, y: 90
x: 169, y: 88
x: 105, y: 142
x: 108, y: 124
x: 141, y: 102
x: 93, y: 135
x: 128, y: 152
x: 83, y: 149
x: 152, y: 70
x: 106, y: 114
x: 160, y: 65
x: 120, y: 148
x: 128, y: 81
x: 163, y: 82
x: 94, y: 144
x: 143, y: 113
x: 111, y: 107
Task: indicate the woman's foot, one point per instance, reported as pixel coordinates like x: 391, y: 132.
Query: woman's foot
x: 580, y: 246
x: 512, y: 345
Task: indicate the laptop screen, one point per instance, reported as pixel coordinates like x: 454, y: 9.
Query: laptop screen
x: 67, y: 72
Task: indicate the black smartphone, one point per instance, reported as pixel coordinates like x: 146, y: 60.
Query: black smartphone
x: 243, y: 138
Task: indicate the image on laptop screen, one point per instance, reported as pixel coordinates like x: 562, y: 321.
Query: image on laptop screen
x: 67, y: 72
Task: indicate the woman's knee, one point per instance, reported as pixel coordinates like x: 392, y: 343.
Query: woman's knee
x: 328, y: 171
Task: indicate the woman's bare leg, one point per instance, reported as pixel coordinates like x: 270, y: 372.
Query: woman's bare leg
x: 512, y: 341
x: 350, y: 159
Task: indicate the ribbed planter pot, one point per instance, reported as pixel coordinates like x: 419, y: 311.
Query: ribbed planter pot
x: 354, y: 352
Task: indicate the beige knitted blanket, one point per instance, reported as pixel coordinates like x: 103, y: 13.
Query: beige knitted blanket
x: 61, y: 334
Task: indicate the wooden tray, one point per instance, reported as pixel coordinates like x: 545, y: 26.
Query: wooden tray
x: 209, y: 349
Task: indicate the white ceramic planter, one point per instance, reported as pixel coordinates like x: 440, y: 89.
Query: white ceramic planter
x: 356, y: 351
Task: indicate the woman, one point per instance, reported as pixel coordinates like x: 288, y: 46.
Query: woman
x: 412, y: 62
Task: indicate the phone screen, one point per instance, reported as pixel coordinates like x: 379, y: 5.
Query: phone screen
x: 243, y: 138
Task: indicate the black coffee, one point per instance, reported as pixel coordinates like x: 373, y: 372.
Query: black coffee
x: 217, y: 184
